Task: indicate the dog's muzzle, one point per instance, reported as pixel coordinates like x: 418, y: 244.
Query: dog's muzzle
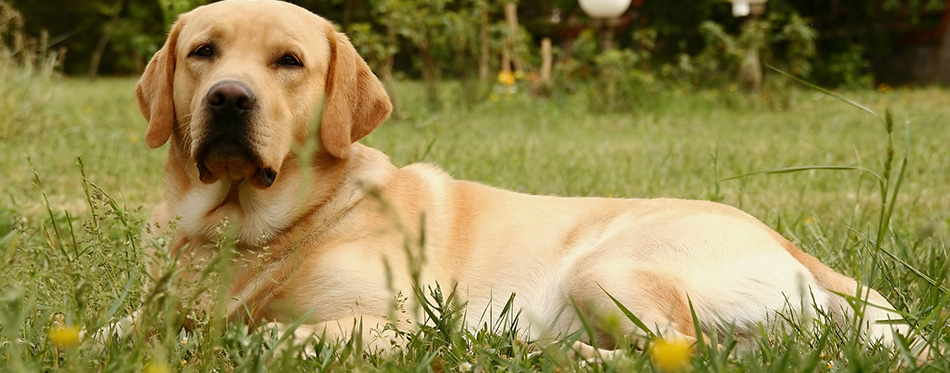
x: 226, y: 151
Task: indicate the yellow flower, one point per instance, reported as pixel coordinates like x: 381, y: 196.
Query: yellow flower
x: 670, y: 355
x: 134, y: 139
x: 506, y: 78
x: 153, y: 367
x: 64, y: 337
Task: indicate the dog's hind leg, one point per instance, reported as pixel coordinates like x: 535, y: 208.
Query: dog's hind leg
x: 655, y: 301
x: 879, y: 322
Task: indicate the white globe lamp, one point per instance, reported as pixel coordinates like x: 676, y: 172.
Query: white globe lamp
x: 604, y: 9
x: 742, y: 8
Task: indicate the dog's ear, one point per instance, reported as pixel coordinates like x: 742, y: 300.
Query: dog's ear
x: 154, y: 91
x: 356, y: 102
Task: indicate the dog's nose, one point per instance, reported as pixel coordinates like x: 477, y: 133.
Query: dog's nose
x: 229, y: 97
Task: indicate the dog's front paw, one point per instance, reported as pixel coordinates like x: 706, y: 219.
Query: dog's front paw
x: 116, y: 330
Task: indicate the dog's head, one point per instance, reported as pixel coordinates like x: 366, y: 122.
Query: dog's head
x: 237, y: 83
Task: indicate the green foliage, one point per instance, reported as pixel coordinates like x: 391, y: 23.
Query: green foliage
x: 621, y: 85
x: 616, y: 80
x: 172, y: 8
x: 790, y: 46
x: 442, y: 37
x: 438, y: 40
x: 136, y: 35
x: 420, y: 22
x: 799, y: 42
x: 122, y: 33
x: 372, y: 45
x: 881, y: 28
x: 850, y: 67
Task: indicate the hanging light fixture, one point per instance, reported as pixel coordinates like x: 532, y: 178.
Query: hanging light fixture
x: 742, y: 8
x: 605, y: 14
x: 604, y: 9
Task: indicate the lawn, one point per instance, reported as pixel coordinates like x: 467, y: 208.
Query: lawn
x: 71, y: 256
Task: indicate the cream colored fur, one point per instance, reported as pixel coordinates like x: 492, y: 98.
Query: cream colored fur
x: 336, y: 221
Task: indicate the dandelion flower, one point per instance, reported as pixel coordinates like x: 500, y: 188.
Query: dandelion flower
x: 64, y: 337
x: 153, y: 367
x: 670, y: 355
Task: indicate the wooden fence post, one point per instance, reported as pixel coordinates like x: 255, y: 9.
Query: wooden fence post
x: 545, y: 61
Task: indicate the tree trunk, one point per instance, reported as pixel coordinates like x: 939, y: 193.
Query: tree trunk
x: 546, y: 62
x: 511, y: 15
x: 484, y: 56
x: 103, y: 42
x: 347, y: 14
x: 505, y: 62
x: 430, y: 76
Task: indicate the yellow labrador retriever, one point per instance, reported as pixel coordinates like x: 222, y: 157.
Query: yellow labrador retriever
x: 323, y: 235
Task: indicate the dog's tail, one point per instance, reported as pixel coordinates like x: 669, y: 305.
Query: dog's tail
x: 875, y: 315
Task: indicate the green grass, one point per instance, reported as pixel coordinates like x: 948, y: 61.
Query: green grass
x: 70, y: 250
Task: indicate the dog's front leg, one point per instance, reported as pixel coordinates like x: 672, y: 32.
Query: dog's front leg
x: 370, y: 334
x: 120, y: 329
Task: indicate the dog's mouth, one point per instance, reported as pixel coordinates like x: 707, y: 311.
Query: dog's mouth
x: 229, y: 159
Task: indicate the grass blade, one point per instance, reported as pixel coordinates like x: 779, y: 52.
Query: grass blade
x: 919, y: 273
x: 787, y: 170
x: 829, y: 93
x: 811, y: 365
x: 626, y: 312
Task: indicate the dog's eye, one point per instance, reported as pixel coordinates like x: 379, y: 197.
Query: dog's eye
x: 205, y: 50
x: 289, y: 60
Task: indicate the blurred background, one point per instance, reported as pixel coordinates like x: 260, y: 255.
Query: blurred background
x: 545, y: 46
